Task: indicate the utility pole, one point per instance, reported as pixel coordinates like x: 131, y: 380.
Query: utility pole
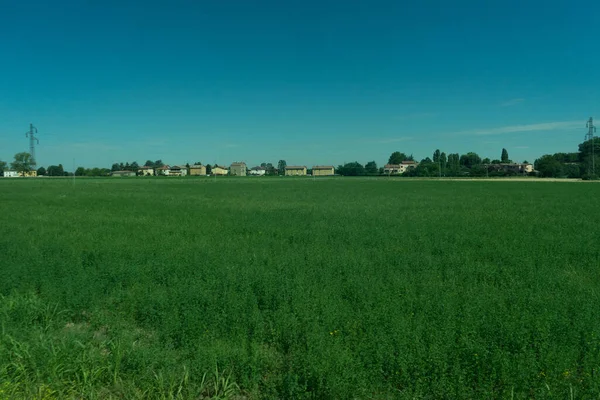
x: 590, y: 137
x: 32, y: 140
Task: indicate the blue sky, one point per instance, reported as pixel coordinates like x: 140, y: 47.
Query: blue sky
x: 311, y: 82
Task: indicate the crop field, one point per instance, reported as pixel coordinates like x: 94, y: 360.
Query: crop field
x: 268, y: 288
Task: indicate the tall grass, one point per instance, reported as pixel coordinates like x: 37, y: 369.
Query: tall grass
x: 285, y: 288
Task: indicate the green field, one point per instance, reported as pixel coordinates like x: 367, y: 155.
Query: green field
x: 298, y: 288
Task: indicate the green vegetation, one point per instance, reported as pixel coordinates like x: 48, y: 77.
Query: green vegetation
x: 298, y: 288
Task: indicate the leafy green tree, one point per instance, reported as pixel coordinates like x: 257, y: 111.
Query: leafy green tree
x: 22, y: 162
x: 149, y: 163
x: 55, y: 170
x: 572, y: 170
x: 453, y: 165
x: 2, y: 166
x: 208, y: 169
x: 158, y: 164
x: 80, y: 171
x: 585, y: 155
x: 281, y: 167
x: 115, y: 167
x: 134, y: 166
x: 351, y: 169
x: 549, y: 167
x: 470, y: 159
x: 436, y: 156
x: 397, y: 157
x: 41, y: 171
x: 371, y: 168
x: 504, y: 157
x: 486, y: 161
x: 496, y: 161
x: 443, y: 163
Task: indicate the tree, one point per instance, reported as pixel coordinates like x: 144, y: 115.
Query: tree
x: 351, y: 169
x: 158, y: 164
x: 371, y: 168
x: 443, y: 162
x: 149, y: 163
x: 208, y: 169
x: 504, y: 157
x: 55, y: 170
x: 22, y: 162
x: 436, y: 156
x: 397, y: 157
x: 2, y: 166
x: 548, y: 166
x: 453, y: 165
x: 585, y: 155
x: 134, y: 166
x: 115, y: 167
x: 80, y: 171
x: 470, y: 159
x: 41, y: 171
x: 486, y: 161
x: 281, y: 167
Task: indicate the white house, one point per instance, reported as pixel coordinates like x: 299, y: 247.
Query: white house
x: 259, y: 171
x: 9, y: 173
x: 396, y: 169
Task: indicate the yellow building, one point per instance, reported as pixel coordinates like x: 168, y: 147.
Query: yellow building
x: 295, y: 171
x: 197, y: 170
x: 28, y: 173
x: 323, y: 170
x: 218, y: 170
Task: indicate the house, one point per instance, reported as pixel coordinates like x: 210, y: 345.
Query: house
x: 28, y: 173
x: 146, y: 171
x: 238, y: 169
x: 122, y: 173
x: 295, y: 171
x: 513, y: 168
x: 258, y: 171
x: 196, y: 170
x: 10, y: 173
x: 323, y: 170
x: 219, y: 170
x: 178, y: 170
x: 164, y: 170
x: 397, y: 169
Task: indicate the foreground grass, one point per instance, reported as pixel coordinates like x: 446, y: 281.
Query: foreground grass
x: 292, y: 288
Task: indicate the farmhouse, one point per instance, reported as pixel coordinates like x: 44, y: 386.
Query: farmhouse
x: 238, y: 169
x: 28, y: 173
x: 219, y: 170
x: 514, y: 168
x: 259, y: 171
x: 397, y: 169
x: 164, y: 170
x: 178, y: 170
x: 10, y: 173
x: 146, y: 171
x: 321, y: 170
x: 196, y: 170
x: 122, y: 173
x: 295, y: 170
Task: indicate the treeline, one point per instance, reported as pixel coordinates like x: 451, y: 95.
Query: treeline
x: 572, y: 165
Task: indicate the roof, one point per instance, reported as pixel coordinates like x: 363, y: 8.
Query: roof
x: 295, y: 167
x: 323, y: 167
x: 197, y: 166
x: 123, y: 172
x: 145, y: 167
x: 218, y: 166
x: 164, y: 167
x: 258, y: 169
x: 178, y: 167
x: 238, y: 164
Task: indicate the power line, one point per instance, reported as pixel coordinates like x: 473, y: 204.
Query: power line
x: 590, y: 136
x: 32, y: 140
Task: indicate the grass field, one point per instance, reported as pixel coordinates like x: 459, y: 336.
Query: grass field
x: 298, y: 288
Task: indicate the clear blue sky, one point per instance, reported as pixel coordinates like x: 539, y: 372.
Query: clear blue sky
x: 311, y: 82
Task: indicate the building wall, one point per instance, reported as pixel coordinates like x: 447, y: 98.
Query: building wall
x: 323, y: 172
x: 147, y: 171
x: 195, y: 170
x: 295, y: 172
x: 11, y: 174
x: 238, y: 170
x: 219, y: 171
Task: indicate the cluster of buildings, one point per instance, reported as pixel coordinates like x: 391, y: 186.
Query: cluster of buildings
x: 235, y: 169
x: 11, y: 173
